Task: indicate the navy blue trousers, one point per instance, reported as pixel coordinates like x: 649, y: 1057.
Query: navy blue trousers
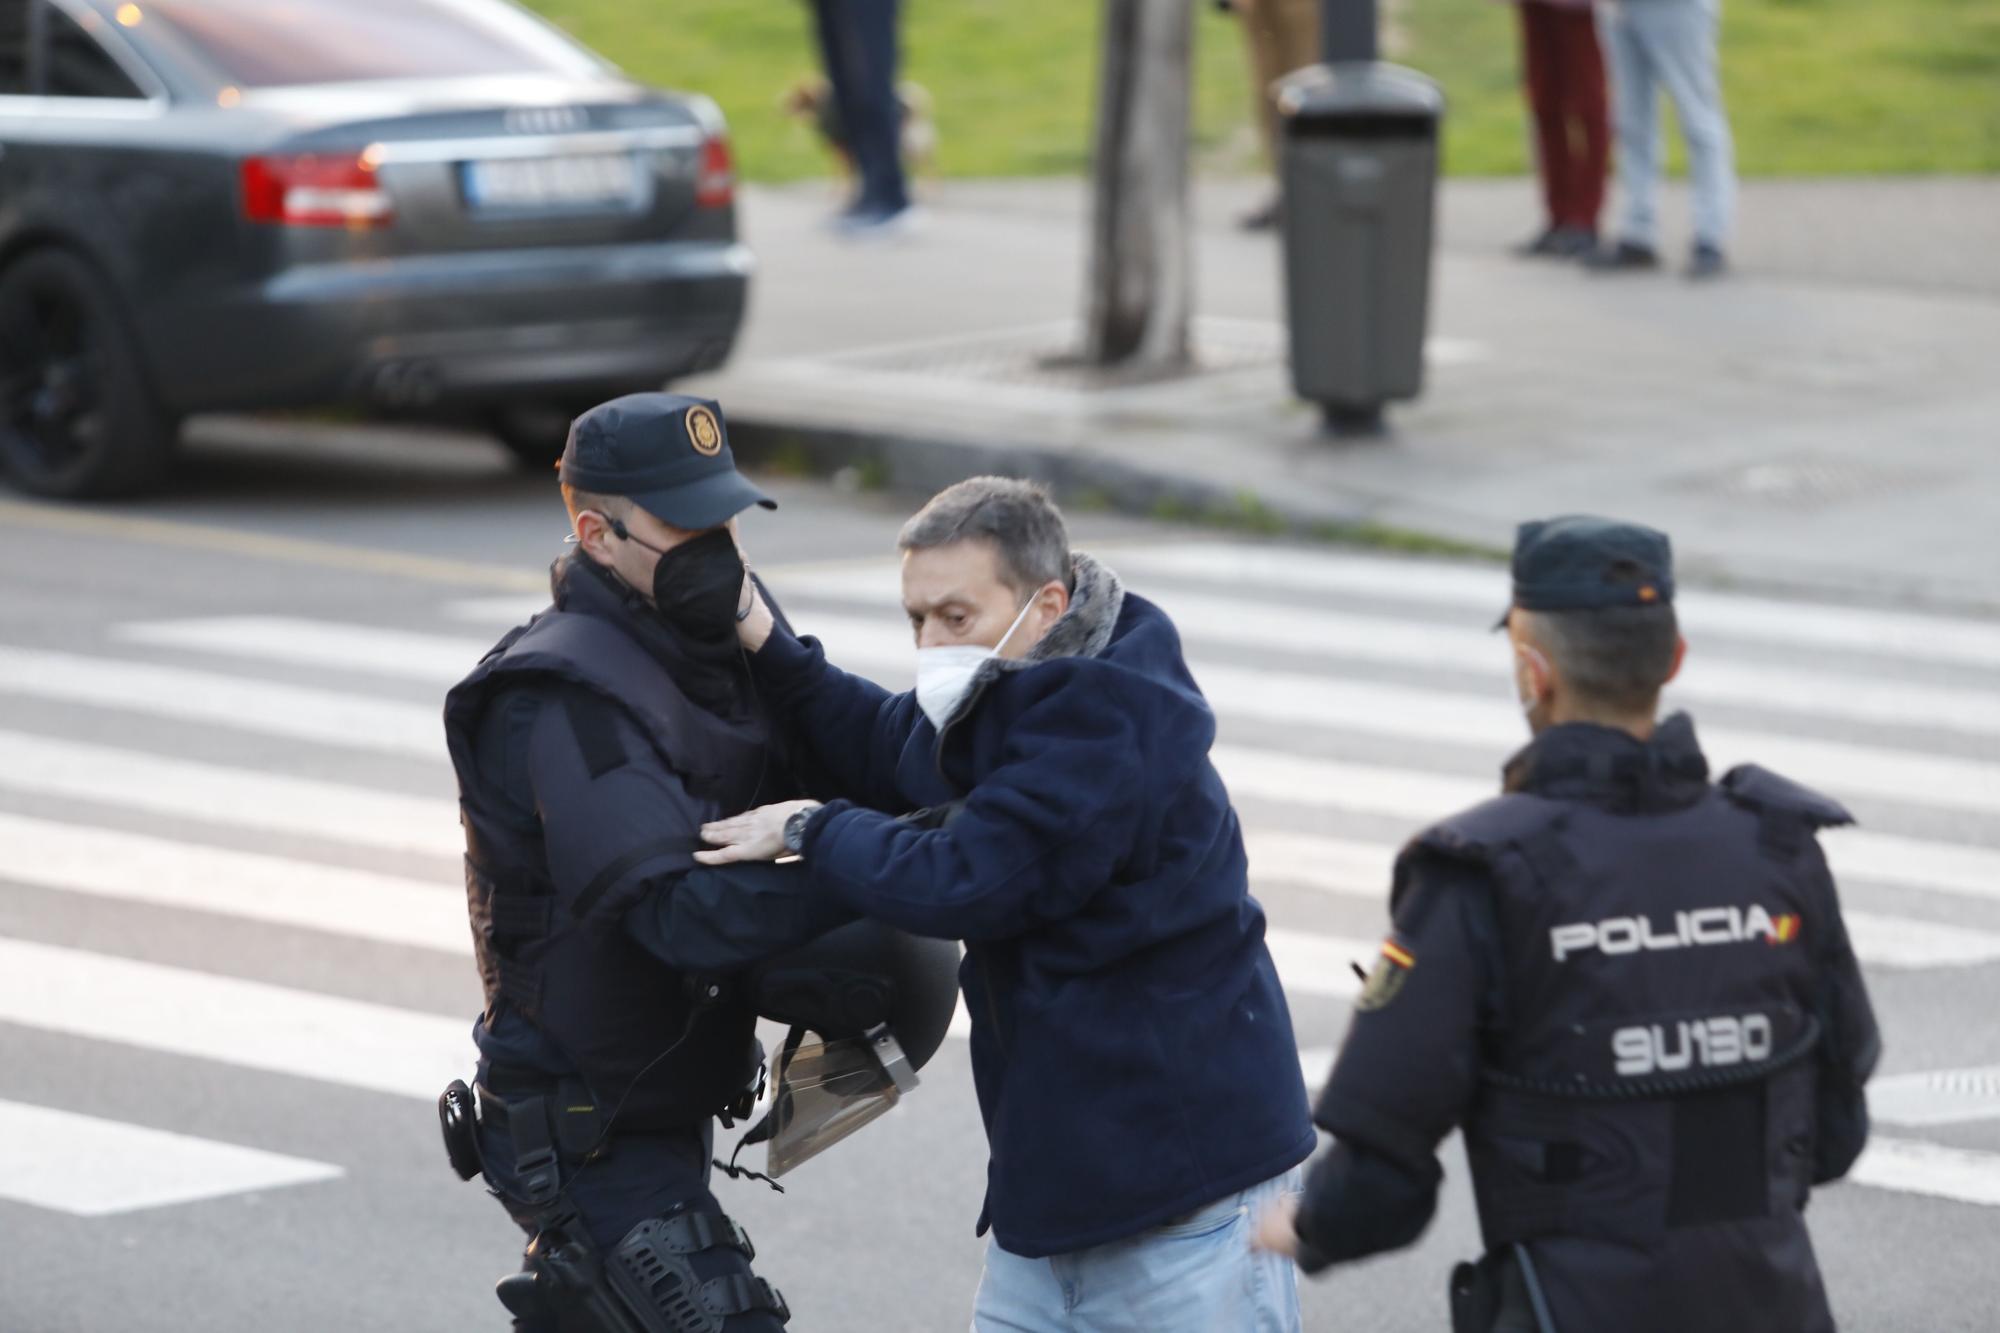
x: 857, y: 41
x: 642, y: 1176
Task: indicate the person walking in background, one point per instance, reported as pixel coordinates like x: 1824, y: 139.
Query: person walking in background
x: 1281, y: 36
x: 1670, y: 44
x: 1563, y: 70
x: 858, y: 45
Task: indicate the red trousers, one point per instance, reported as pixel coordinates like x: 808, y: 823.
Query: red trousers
x: 1565, y: 76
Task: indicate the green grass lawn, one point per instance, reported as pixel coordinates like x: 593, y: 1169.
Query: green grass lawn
x: 1815, y: 87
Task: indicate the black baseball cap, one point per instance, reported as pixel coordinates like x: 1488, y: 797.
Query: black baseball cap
x: 1580, y: 562
x: 666, y: 452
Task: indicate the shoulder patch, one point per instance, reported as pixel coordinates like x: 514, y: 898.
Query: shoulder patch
x: 595, y: 726
x: 1769, y: 793
x: 1385, y: 980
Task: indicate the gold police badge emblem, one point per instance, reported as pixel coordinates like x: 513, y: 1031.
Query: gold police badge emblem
x: 704, y: 432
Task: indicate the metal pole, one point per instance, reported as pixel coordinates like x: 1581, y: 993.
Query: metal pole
x: 1347, y: 31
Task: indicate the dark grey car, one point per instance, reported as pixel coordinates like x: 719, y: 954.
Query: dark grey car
x: 437, y: 206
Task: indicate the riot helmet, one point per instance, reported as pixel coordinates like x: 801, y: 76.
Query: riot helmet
x: 866, y: 1006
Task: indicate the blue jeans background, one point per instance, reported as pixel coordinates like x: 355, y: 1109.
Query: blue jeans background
x: 1671, y: 45
x: 1195, y: 1275
x: 857, y: 40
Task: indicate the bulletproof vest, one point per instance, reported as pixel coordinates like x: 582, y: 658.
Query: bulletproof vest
x: 563, y: 961
x: 1647, y: 1107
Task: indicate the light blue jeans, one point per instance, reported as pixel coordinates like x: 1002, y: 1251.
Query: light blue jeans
x: 1671, y: 45
x: 1197, y: 1274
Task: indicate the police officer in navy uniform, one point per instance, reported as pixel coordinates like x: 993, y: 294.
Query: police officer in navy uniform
x: 591, y: 744
x: 1629, y: 985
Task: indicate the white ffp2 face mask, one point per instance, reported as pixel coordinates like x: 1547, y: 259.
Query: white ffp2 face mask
x: 945, y: 673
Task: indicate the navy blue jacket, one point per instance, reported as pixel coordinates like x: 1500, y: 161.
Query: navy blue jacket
x: 1132, y: 1049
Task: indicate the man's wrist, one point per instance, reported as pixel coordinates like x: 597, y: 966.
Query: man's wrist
x: 795, y: 828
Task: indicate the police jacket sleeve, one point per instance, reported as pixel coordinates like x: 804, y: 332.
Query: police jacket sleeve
x: 1850, y: 1042
x: 1040, y: 833
x: 852, y: 730
x: 619, y: 829
x: 1407, y: 1072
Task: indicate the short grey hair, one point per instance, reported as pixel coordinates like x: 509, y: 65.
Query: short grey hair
x: 1618, y: 657
x: 1024, y: 526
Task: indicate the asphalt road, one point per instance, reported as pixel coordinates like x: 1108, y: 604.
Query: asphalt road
x: 233, y: 968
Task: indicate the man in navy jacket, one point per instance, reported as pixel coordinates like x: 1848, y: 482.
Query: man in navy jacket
x: 1133, y: 1053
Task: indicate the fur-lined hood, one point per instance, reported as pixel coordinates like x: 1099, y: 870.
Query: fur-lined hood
x: 1095, y: 600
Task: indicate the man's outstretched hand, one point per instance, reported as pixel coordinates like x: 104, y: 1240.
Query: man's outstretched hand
x: 754, y: 835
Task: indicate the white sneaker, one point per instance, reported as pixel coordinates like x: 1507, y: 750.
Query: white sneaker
x: 871, y: 226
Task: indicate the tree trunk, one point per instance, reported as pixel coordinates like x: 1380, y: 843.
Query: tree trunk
x: 1140, y: 275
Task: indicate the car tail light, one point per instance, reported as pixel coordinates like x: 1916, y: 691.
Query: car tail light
x: 715, y: 179
x: 315, y: 190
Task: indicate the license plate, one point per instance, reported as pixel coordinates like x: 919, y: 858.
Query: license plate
x: 554, y: 184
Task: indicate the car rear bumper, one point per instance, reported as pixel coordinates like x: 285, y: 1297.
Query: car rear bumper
x: 434, y: 330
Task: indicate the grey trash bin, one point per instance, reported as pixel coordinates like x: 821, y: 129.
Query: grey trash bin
x: 1359, y: 173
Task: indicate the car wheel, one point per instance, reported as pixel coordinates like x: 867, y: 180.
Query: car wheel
x: 77, y: 415
x: 534, y: 433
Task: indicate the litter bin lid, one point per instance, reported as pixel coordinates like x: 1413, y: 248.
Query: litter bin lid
x: 1358, y: 88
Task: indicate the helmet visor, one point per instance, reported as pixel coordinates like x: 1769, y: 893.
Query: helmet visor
x: 825, y: 1091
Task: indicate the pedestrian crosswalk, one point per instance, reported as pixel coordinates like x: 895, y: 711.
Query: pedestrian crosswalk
x: 286, y: 774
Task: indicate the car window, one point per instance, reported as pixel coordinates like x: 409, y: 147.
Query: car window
x: 13, y: 47
x: 78, y: 66
x: 263, y: 43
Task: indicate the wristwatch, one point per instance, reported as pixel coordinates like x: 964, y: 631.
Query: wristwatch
x: 795, y: 830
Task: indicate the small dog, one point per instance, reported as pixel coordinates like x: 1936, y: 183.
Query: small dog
x: 811, y: 101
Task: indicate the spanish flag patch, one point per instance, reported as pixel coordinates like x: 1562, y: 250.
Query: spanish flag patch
x: 1385, y: 982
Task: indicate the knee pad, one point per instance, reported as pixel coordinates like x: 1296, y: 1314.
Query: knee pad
x: 653, y: 1271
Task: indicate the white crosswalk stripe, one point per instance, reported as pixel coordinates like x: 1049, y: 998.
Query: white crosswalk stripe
x: 318, y: 643
x: 321, y: 716
x: 1208, y: 619
x: 1260, y: 570
x: 213, y: 793
x: 1912, y: 1166
x: 109, y: 863
x: 1937, y: 1097
x: 216, y: 675
x: 88, y: 1167
x: 250, y: 1024
x: 1416, y: 796
x: 1359, y: 870
x: 1486, y: 723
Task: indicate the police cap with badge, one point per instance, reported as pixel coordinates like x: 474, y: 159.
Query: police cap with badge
x: 1580, y: 562
x: 667, y: 452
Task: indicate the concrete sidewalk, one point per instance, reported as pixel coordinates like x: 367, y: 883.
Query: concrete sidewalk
x: 1827, y: 420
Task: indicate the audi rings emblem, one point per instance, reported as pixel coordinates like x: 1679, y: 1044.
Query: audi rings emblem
x: 545, y: 120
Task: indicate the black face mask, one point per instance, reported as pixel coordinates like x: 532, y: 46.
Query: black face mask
x: 698, y: 585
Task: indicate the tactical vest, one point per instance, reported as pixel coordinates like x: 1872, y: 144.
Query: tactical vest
x: 1646, y: 1116
x: 564, y: 962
